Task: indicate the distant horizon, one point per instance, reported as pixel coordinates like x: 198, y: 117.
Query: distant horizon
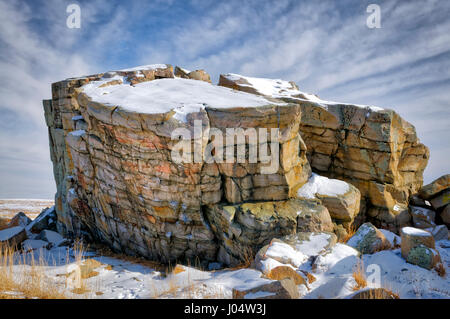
x: 325, y: 47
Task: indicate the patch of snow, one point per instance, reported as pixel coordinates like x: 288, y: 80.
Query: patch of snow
x: 277, y: 88
x: 415, y: 232
x: 184, y: 96
x: 324, y: 186
x: 8, y: 233
x: 394, y: 239
x: 77, y: 118
x: 145, y: 67
x: 340, y: 259
x: 316, y: 244
x: 78, y: 133
x: 285, y: 254
x: 32, y: 244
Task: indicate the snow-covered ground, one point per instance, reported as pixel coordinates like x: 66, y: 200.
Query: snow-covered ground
x: 115, y: 277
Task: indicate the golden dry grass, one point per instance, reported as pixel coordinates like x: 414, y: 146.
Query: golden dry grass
x: 359, y: 276
x: 25, y: 279
x: 3, y: 223
x: 351, y: 230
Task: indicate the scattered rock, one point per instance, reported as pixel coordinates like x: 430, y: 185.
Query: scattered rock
x: 439, y: 232
x: 435, y: 187
x: 441, y: 200
x: 413, y: 237
x: 313, y: 217
x: 46, y: 220
x: 340, y: 232
x: 282, y: 272
x: 20, y: 219
x: 13, y: 236
x: 393, y: 239
x: 368, y: 240
x: 445, y: 215
x: 283, y: 289
x: 423, y: 256
x: 34, y: 244
x: 311, y: 244
x: 199, y: 75
x: 50, y: 236
x: 422, y: 217
x: 340, y: 198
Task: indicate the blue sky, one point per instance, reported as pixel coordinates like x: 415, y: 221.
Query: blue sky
x: 324, y: 46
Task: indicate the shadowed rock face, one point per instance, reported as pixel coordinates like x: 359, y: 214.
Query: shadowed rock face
x: 117, y: 182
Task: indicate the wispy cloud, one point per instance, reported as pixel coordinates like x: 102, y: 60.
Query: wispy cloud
x: 324, y: 46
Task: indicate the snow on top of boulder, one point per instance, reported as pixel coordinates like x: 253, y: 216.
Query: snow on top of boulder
x: 8, y: 233
x: 324, y: 186
x: 145, y: 67
x: 183, y: 96
x: 415, y: 232
x: 285, y: 254
x: 278, y: 88
x: 391, y: 237
x: 362, y: 232
x: 317, y: 243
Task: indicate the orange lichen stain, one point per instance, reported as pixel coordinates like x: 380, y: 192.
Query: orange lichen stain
x: 59, y: 204
x: 178, y: 269
x: 163, y: 168
x: 166, y: 213
x: 151, y: 219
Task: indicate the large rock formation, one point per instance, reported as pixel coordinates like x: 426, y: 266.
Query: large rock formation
x: 138, y: 164
x: 112, y: 144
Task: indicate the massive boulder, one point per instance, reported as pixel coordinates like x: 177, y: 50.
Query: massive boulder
x: 112, y: 144
x: 374, y: 149
x: 138, y: 162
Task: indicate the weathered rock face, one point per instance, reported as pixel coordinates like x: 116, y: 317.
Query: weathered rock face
x: 373, y: 149
x: 113, y: 138
x: 116, y: 177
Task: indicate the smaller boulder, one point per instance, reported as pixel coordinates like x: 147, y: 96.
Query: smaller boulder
x: 368, y: 240
x: 340, y: 198
x: 45, y: 220
x: 13, y: 236
x: 51, y: 237
x: 439, y: 232
x: 313, y: 217
x: 435, y: 187
x: 413, y: 237
x: 445, y: 215
x: 422, y: 217
x: 20, y: 219
x: 282, y: 289
x: 424, y: 257
x: 199, y: 75
x: 282, y: 272
x: 441, y: 200
x: 34, y: 244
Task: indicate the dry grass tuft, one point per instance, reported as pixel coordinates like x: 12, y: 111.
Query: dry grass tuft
x: 359, y: 276
x: 26, y: 280
x: 3, y: 223
x: 441, y: 270
x: 351, y: 230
